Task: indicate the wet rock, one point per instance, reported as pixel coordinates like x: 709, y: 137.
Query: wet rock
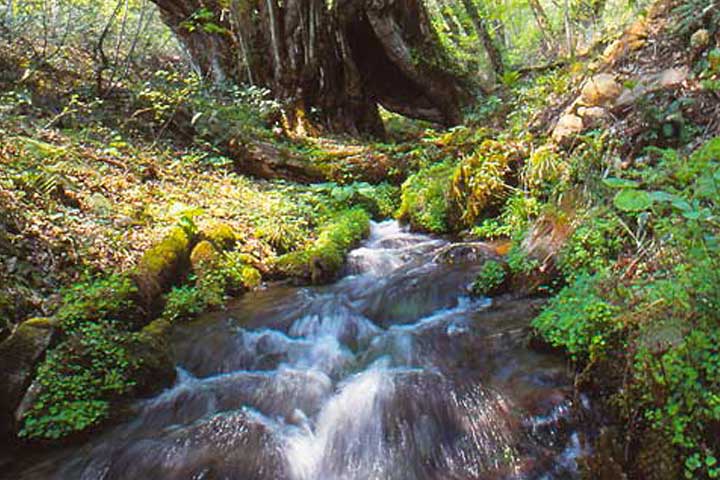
x: 700, y: 39
x: 157, y: 365
x: 465, y: 253
x: 603, y: 463
x: 600, y: 90
x: 568, y: 126
x: 18, y: 356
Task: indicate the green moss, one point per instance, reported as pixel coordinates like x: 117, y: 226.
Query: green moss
x: 221, y: 235
x: 161, y: 261
x: 204, y: 257
x: 323, y: 259
x: 163, y: 266
x: 425, y: 202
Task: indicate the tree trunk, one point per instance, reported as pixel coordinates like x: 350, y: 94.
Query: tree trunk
x: 329, y: 66
x: 543, y: 23
x: 489, y: 45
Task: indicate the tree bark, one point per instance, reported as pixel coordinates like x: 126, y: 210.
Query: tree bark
x: 542, y: 22
x: 330, y: 66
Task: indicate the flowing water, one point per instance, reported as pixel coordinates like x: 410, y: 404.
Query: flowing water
x: 392, y: 373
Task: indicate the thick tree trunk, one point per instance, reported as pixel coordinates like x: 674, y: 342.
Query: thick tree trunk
x: 330, y: 66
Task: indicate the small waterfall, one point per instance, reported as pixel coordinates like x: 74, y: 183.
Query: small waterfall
x: 393, y: 373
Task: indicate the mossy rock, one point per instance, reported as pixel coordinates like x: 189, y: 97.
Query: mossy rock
x: 322, y: 260
x: 204, y: 257
x: 19, y: 354
x: 161, y: 267
x: 221, y: 235
x: 152, y: 350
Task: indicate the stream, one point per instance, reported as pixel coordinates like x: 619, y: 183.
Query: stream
x: 392, y: 373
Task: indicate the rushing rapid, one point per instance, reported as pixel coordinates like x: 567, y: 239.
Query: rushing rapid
x: 392, y: 373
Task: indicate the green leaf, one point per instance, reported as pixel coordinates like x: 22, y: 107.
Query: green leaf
x: 660, y: 196
x: 614, y: 182
x: 633, y: 200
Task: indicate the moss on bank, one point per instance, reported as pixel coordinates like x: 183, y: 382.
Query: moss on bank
x: 322, y: 260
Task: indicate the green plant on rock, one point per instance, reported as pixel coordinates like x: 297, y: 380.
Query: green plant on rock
x: 544, y: 170
x: 492, y: 276
x: 680, y: 388
x: 77, y: 381
x: 184, y: 302
x: 592, y: 247
x: 425, y: 198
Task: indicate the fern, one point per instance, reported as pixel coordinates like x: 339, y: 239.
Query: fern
x: 694, y: 14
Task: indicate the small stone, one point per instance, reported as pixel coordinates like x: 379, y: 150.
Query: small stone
x: 600, y: 90
x: 594, y: 113
x: 567, y: 126
x: 700, y: 39
x: 672, y: 77
x: 99, y: 204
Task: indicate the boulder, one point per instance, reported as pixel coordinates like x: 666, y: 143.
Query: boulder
x: 592, y: 115
x: 651, y: 82
x: 600, y: 90
x: 568, y: 126
x: 19, y: 354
